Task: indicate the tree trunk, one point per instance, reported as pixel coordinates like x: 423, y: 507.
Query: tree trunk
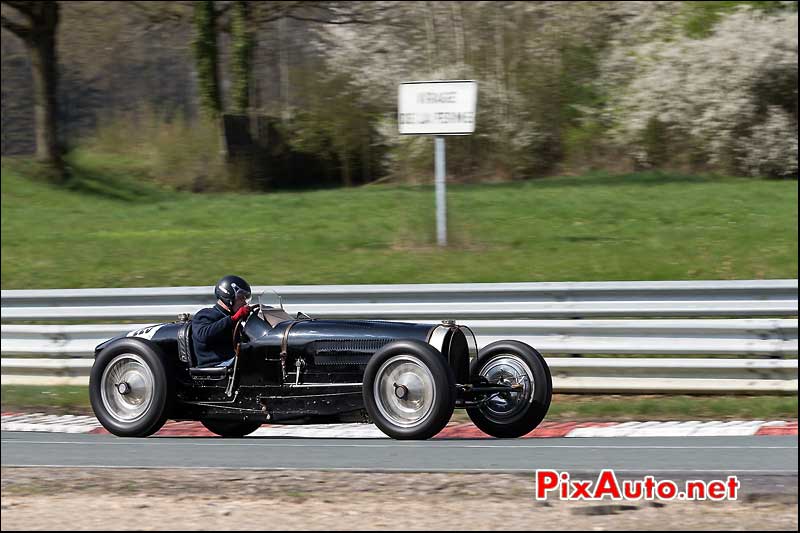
x: 500, y: 64
x: 207, y: 64
x: 347, y: 173
x: 39, y: 36
x: 242, y: 61
x: 457, y: 17
x: 205, y: 49
x: 45, y: 80
x: 430, y: 32
x: 366, y: 142
x: 283, y: 59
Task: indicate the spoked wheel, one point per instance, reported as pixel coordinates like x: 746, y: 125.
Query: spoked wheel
x: 230, y: 428
x: 512, y: 414
x: 409, y: 390
x: 129, y: 389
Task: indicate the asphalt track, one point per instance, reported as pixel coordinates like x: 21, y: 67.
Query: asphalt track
x: 683, y: 457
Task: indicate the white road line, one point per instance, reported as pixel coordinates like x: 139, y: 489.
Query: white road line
x: 419, y: 470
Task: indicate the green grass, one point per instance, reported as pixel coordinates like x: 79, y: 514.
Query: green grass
x: 106, y: 230
x: 57, y: 400
x: 75, y: 400
x: 569, y: 407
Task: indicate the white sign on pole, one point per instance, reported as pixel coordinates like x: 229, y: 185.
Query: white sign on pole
x: 437, y: 107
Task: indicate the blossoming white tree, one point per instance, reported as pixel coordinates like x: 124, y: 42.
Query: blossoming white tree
x: 625, y: 76
x: 733, y: 95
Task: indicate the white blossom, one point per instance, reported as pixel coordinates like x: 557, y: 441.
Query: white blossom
x: 715, y: 91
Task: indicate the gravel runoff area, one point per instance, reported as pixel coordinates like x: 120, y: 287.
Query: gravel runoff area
x: 117, y: 499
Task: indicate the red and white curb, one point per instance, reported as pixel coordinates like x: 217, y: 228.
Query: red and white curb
x: 89, y: 424
x: 48, y: 423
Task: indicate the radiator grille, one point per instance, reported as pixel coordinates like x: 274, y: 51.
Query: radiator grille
x: 346, y: 351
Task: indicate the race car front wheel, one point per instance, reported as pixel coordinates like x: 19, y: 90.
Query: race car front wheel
x: 511, y: 414
x: 409, y: 390
x: 130, y: 388
x: 230, y: 428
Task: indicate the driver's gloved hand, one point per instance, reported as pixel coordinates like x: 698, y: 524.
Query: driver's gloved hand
x: 241, y: 313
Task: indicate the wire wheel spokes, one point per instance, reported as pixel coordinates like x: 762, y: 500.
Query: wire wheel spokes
x: 507, y: 369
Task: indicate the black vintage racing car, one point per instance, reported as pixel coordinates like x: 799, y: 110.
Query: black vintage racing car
x: 405, y: 378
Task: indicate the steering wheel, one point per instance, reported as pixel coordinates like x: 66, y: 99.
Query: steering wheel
x: 254, y: 309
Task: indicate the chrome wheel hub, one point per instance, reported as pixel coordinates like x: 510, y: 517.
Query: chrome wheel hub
x: 401, y: 391
x: 507, y: 369
x: 127, y: 387
x: 404, y: 391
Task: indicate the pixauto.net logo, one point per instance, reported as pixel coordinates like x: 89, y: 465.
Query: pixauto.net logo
x: 560, y: 484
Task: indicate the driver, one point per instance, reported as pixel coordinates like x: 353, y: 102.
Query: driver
x: 212, y: 328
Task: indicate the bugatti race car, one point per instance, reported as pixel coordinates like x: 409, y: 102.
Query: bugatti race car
x: 405, y: 378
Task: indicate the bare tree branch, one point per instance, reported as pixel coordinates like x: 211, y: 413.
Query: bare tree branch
x: 163, y: 11
x: 21, y: 31
x: 321, y: 12
x: 319, y: 20
x: 178, y: 12
x: 222, y: 8
x: 26, y: 8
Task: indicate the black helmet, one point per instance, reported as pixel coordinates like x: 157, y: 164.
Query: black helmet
x: 231, y: 287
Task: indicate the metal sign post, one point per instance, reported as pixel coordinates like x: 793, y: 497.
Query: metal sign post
x: 441, y: 198
x: 439, y: 108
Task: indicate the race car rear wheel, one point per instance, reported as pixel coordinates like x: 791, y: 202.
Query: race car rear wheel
x: 130, y: 388
x: 230, y: 428
x: 512, y: 414
x: 409, y: 390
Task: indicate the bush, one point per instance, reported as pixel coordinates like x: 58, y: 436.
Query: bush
x: 771, y: 147
x: 176, y: 152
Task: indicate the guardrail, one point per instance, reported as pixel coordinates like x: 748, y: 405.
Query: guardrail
x: 481, y: 306
x: 688, y: 376
x: 430, y: 301
x: 760, y: 337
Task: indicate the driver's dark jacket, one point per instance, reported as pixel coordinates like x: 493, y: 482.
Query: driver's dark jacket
x: 212, y: 336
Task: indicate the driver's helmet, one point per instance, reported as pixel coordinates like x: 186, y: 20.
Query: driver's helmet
x: 232, y: 288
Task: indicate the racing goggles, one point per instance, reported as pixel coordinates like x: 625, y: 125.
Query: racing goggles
x: 240, y: 295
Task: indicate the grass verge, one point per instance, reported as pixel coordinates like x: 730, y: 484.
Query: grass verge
x: 55, y: 400
x: 106, y: 230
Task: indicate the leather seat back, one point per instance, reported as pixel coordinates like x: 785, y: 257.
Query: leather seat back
x: 185, y: 347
